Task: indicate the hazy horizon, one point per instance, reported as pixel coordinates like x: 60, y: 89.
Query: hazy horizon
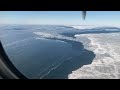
x: 60, y: 17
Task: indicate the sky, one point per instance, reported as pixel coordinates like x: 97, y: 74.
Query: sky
x: 60, y: 17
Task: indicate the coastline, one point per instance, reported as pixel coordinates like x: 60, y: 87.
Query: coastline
x: 106, y: 64
x: 77, y: 56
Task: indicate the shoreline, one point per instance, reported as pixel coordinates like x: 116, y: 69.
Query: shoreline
x: 106, y: 64
x: 78, y: 55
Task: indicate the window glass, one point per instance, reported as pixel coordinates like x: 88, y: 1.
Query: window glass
x: 61, y: 45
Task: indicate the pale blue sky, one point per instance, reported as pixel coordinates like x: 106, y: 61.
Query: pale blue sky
x: 60, y: 17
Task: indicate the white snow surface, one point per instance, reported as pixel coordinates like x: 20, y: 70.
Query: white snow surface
x: 106, y: 64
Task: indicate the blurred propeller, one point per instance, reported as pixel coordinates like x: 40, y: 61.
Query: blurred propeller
x: 83, y: 15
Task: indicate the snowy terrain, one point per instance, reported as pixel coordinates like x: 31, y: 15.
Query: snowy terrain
x: 85, y: 26
x: 106, y: 64
x: 90, y: 26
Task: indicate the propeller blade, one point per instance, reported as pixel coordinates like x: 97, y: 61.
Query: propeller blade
x: 83, y: 15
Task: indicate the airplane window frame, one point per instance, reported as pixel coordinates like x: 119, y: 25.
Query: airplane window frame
x: 7, y: 69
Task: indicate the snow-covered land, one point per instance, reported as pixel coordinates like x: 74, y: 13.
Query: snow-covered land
x: 106, y: 64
